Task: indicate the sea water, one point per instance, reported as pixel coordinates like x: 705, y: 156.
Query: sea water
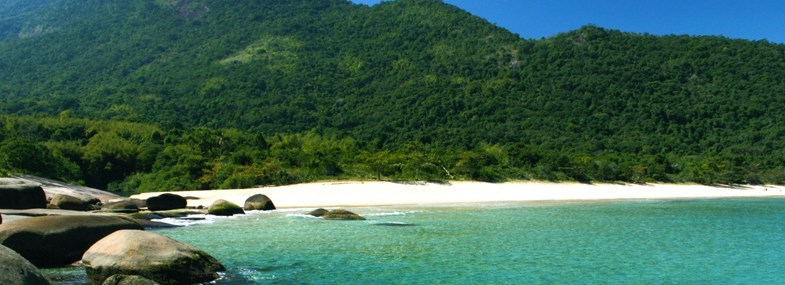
x: 714, y: 241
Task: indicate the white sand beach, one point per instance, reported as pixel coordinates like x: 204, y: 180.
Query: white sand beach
x: 358, y: 194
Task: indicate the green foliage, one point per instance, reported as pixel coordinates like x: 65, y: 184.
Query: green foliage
x: 159, y: 95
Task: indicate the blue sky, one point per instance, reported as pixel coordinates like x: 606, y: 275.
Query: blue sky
x: 534, y: 19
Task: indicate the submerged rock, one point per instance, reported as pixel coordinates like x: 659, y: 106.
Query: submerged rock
x: 224, y: 208
x: 259, y: 202
x: 341, y: 214
x: 19, y: 195
x: 65, y: 202
x: 166, y: 201
x: 15, y: 270
x: 122, y: 279
x: 59, y: 240
x: 153, y: 256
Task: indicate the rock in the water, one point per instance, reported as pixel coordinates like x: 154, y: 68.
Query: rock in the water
x: 122, y: 279
x: 153, y: 256
x: 224, y: 208
x: 65, y: 202
x: 121, y: 205
x: 166, y: 201
x: 318, y: 212
x: 59, y: 240
x: 15, y: 270
x: 259, y: 202
x: 341, y: 214
x: 16, y: 194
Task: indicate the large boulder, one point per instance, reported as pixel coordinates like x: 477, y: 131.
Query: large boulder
x: 166, y: 201
x: 59, y: 240
x: 15, y: 270
x: 153, y: 256
x: 259, y: 202
x: 224, y: 208
x: 341, y: 214
x: 125, y: 205
x: 16, y: 194
x: 122, y: 279
x: 66, y: 202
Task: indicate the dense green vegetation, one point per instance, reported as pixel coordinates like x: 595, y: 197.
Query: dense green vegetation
x: 155, y: 94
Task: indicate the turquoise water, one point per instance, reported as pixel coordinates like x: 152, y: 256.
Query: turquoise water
x: 726, y: 241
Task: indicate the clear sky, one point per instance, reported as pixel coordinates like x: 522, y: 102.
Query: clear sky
x: 534, y: 19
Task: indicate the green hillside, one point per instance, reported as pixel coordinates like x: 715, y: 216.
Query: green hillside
x: 408, y: 89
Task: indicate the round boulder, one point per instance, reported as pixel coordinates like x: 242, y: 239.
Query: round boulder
x: 153, y: 256
x: 65, y: 202
x: 16, y: 270
x: 259, y: 202
x: 341, y: 214
x: 53, y: 241
x: 18, y: 195
x: 122, y: 279
x: 224, y: 208
x: 166, y: 201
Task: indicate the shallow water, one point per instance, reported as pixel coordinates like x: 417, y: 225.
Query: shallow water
x: 723, y: 241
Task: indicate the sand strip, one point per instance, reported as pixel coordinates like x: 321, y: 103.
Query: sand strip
x: 357, y: 194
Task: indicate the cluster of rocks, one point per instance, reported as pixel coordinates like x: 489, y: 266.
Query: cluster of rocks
x: 106, y: 235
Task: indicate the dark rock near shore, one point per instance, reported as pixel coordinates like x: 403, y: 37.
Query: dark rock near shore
x: 166, y: 201
x: 16, y: 270
x: 65, y: 202
x: 16, y: 194
x: 122, y: 279
x: 318, y: 212
x: 153, y: 256
x: 224, y: 208
x: 341, y: 214
x: 59, y: 240
x: 259, y: 202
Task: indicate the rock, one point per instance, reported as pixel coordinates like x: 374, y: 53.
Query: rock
x: 1, y: 219
x: 224, y: 208
x: 341, y: 214
x: 166, y: 201
x: 16, y: 194
x: 65, y: 202
x: 120, y: 206
x: 318, y: 212
x: 59, y: 240
x: 153, y: 256
x: 259, y: 202
x: 122, y: 279
x: 16, y: 270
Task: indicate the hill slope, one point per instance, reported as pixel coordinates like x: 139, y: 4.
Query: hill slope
x: 403, y: 72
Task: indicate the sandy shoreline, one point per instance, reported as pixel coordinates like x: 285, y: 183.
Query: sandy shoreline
x: 358, y: 194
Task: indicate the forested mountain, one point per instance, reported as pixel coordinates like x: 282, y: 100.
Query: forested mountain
x: 396, y: 79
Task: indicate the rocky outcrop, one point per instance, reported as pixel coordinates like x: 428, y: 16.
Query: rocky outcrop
x: 153, y: 256
x: 16, y: 194
x: 59, y: 240
x: 318, y: 212
x: 224, y: 208
x: 341, y: 214
x: 166, y: 201
x: 15, y: 270
x: 259, y: 202
x: 122, y: 279
x: 66, y: 202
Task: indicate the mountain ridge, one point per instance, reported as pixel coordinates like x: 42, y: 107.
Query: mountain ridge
x: 397, y: 74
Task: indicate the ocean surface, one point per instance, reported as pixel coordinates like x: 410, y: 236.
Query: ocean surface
x: 712, y: 241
